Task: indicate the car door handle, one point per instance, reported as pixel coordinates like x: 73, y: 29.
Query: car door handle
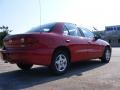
x: 89, y: 42
x: 67, y: 41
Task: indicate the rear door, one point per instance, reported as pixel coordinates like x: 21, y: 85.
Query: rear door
x: 77, y: 43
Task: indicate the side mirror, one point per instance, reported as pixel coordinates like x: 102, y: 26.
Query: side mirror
x: 96, y: 37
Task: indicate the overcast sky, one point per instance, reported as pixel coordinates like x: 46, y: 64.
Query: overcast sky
x: 22, y: 15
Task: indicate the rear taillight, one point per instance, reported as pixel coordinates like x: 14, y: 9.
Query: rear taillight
x: 30, y: 42
x: 20, y: 42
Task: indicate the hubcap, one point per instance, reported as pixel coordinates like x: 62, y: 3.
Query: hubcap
x: 107, y: 54
x: 61, y: 62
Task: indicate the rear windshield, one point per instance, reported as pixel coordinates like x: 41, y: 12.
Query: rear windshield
x: 43, y: 28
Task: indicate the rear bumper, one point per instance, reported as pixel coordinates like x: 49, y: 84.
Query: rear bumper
x: 38, y: 57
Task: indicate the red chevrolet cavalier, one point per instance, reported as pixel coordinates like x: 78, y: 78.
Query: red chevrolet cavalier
x: 55, y: 45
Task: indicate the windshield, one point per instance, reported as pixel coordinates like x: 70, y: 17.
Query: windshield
x: 43, y: 28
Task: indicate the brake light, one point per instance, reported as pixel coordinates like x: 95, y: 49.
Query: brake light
x: 28, y: 42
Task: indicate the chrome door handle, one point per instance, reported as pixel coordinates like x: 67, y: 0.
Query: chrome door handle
x: 89, y: 42
x: 67, y: 41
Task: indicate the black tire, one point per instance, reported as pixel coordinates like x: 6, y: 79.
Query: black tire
x: 60, y: 62
x: 24, y: 66
x: 106, y: 55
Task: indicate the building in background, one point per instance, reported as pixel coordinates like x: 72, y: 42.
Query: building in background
x: 112, y: 35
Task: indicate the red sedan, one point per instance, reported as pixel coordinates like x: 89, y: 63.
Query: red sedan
x: 55, y: 45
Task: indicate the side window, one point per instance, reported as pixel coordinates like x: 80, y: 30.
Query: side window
x: 87, y: 33
x: 78, y: 32
x: 73, y: 30
x: 65, y: 31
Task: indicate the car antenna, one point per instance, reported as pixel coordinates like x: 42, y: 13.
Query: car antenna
x: 95, y: 29
x: 39, y: 2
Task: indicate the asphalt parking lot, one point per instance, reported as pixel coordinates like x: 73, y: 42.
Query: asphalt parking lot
x: 91, y: 75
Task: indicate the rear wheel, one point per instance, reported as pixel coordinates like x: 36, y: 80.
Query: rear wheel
x: 24, y: 66
x: 60, y: 63
x: 106, y: 55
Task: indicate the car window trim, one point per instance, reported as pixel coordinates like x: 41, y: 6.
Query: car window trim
x: 66, y: 29
x: 81, y: 32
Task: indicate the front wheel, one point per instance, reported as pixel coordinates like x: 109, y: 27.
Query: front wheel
x: 106, y: 56
x: 60, y: 63
x: 24, y: 66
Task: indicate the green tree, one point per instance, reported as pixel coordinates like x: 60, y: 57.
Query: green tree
x: 4, y: 31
